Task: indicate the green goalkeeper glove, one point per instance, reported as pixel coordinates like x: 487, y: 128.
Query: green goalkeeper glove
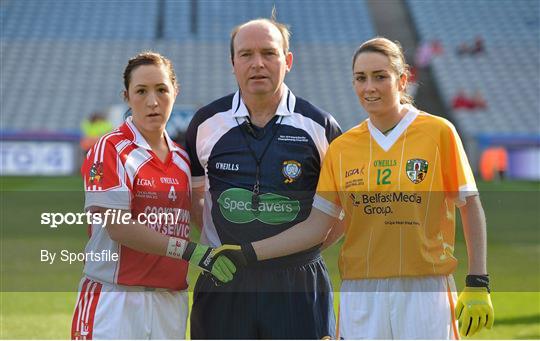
x: 202, y: 256
x: 240, y: 255
x: 474, y: 309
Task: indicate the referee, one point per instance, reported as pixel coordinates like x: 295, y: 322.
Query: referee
x: 256, y: 156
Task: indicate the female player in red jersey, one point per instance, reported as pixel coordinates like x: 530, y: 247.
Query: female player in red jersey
x: 397, y: 178
x: 138, y: 187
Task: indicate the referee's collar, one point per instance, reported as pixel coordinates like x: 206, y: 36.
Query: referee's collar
x: 285, y: 107
x: 136, y: 137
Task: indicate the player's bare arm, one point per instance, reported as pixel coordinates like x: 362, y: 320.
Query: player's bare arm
x: 137, y: 236
x: 312, y: 231
x: 197, y: 205
x: 474, y: 309
x: 474, y: 230
x: 334, y: 235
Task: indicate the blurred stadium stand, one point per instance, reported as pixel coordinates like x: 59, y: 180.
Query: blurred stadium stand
x: 507, y: 73
x: 61, y: 60
x: 37, y: 20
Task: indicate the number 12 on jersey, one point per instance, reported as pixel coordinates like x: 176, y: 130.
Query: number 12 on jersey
x: 383, y: 175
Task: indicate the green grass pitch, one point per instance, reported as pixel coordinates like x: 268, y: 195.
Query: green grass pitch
x: 37, y: 300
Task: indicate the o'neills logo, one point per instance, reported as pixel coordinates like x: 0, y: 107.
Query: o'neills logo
x: 169, y: 181
x: 227, y: 166
x: 384, y: 163
x: 235, y: 205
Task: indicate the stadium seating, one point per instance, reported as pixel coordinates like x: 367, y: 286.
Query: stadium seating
x: 506, y: 74
x: 63, y: 59
x: 78, y: 20
x: 315, y: 22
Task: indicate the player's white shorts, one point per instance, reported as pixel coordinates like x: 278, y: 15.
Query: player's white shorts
x: 109, y: 311
x: 398, y: 308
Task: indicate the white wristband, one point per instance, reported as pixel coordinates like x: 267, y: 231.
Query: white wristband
x: 176, y: 247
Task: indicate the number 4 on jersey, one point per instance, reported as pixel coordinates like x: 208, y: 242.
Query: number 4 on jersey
x: 172, y: 194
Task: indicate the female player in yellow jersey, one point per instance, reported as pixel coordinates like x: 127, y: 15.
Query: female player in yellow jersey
x: 396, y: 178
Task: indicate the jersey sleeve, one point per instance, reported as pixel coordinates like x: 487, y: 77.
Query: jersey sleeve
x: 332, y: 129
x: 459, y: 178
x: 197, y: 170
x: 327, y: 196
x: 105, y: 178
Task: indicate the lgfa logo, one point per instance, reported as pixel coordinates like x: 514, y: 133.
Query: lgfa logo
x: 146, y: 182
x: 354, y: 171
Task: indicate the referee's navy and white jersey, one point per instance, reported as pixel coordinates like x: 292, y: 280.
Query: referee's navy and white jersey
x: 219, y: 139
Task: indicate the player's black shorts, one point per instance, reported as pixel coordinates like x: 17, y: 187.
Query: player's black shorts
x: 292, y: 301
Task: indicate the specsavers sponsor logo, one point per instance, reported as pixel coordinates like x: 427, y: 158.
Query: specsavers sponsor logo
x: 273, y: 209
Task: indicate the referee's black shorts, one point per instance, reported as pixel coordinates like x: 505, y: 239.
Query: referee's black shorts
x: 289, y: 301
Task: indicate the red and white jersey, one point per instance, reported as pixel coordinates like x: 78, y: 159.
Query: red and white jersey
x: 122, y: 172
